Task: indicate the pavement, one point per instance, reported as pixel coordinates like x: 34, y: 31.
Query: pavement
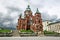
x: 15, y: 33
x: 29, y: 38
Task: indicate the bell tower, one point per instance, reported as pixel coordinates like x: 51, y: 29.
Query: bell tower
x: 28, y: 11
x: 38, y: 22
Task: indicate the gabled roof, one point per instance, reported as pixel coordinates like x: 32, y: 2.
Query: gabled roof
x: 53, y: 23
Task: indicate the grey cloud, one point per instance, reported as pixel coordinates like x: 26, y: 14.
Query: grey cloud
x: 46, y: 16
x: 14, y: 9
x: 8, y: 18
x: 54, y: 17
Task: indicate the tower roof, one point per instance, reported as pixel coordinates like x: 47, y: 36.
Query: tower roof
x: 37, y: 11
x: 28, y: 7
x: 20, y: 15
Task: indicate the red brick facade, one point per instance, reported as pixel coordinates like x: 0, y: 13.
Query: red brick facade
x: 29, y: 21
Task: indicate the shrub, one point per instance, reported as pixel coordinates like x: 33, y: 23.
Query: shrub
x: 26, y: 31
x: 49, y: 32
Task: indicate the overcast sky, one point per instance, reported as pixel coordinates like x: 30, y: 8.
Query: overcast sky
x: 10, y: 10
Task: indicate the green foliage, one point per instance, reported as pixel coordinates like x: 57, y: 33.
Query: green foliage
x: 49, y: 32
x: 5, y: 31
x: 26, y: 31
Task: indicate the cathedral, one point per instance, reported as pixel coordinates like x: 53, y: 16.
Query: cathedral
x: 30, y: 22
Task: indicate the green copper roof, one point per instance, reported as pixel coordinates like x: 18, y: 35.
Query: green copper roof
x: 37, y: 11
x: 20, y: 15
x: 28, y: 8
